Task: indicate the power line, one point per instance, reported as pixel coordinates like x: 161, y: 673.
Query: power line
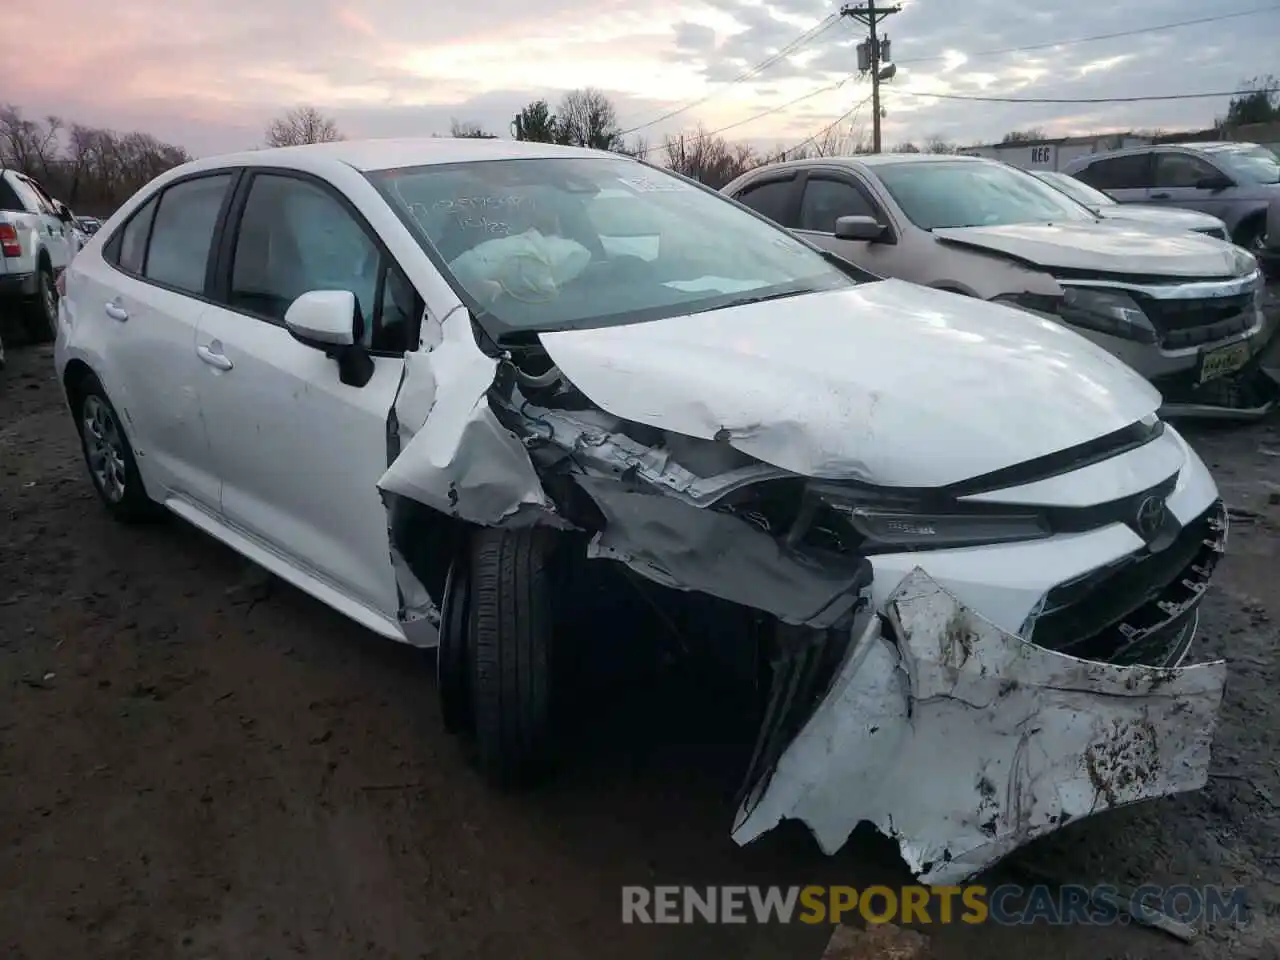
x: 807, y: 37
x: 1167, y: 96
x: 1273, y: 8
x: 822, y: 26
x: 695, y: 138
x: 850, y: 115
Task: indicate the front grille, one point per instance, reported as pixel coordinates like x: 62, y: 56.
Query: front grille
x: 1189, y: 323
x: 1141, y: 610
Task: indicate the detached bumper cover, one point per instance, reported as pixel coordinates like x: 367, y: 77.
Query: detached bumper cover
x: 964, y: 742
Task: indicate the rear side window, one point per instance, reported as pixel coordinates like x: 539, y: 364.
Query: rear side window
x: 9, y: 199
x: 1118, y: 173
x: 771, y: 198
x: 133, y: 239
x: 178, y: 254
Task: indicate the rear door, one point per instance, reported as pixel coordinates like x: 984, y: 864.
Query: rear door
x: 300, y: 452
x: 1126, y: 178
x: 144, y: 297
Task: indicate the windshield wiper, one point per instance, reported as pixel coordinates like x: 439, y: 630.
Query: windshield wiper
x: 744, y: 301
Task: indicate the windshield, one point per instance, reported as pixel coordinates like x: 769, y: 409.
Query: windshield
x: 1254, y: 164
x: 555, y: 244
x: 967, y: 193
x: 1077, y: 191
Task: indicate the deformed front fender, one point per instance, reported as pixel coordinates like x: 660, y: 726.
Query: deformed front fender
x: 964, y: 742
x: 455, y: 456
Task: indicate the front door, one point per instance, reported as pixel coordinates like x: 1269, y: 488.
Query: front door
x: 1177, y: 179
x: 300, y: 453
x: 826, y: 198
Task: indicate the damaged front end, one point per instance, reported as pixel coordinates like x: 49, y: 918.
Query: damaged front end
x: 960, y: 740
x: 964, y: 742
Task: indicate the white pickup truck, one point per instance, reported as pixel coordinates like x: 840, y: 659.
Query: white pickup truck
x: 35, y: 245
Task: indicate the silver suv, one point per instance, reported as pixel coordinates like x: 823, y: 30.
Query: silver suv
x: 1239, y: 183
x: 1183, y: 309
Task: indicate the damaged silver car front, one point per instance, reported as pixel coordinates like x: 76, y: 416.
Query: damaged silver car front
x: 957, y: 738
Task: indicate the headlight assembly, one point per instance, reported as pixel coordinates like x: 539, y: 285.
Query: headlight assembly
x: 897, y: 525
x: 1106, y: 311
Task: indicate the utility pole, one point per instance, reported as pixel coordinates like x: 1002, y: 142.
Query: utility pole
x: 870, y: 15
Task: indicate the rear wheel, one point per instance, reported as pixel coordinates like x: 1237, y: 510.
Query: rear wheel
x: 510, y: 600
x: 42, y: 313
x: 109, y: 457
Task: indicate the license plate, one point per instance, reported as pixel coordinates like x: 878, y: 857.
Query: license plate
x: 1224, y: 360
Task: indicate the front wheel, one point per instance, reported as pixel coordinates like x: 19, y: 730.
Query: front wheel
x: 1253, y: 236
x: 510, y: 605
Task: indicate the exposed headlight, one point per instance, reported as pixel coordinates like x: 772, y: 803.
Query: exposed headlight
x: 897, y: 526
x: 1106, y: 311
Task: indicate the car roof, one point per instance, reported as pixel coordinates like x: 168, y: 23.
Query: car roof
x: 869, y: 160
x: 389, y: 154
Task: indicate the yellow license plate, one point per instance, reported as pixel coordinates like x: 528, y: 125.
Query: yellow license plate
x: 1224, y: 360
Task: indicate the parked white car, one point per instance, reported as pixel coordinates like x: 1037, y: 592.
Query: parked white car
x: 417, y: 380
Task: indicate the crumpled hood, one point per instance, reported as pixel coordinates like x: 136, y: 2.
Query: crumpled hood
x: 1105, y: 248
x: 1168, y: 217
x: 886, y: 382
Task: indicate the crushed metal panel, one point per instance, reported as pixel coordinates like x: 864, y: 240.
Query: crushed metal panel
x: 692, y: 548
x: 460, y: 460
x: 964, y: 742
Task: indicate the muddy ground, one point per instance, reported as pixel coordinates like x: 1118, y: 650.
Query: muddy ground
x: 194, y: 766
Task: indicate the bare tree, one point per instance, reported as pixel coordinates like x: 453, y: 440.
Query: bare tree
x: 587, y: 118
x: 708, y: 158
x: 1030, y: 135
x: 302, y: 125
x: 91, y: 169
x: 906, y: 146
x: 938, y: 144
x: 466, y: 130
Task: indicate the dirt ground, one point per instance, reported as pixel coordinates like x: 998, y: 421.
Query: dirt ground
x: 193, y: 765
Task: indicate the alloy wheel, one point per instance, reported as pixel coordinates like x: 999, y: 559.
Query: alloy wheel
x: 104, y: 445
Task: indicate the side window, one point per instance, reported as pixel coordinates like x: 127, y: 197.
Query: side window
x: 1118, y: 173
x: 9, y: 199
x: 132, y: 246
x: 1181, y: 170
x: 46, y: 202
x: 771, y: 198
x: 30, y: 200
x: 825, y: 200
x: 178, y: 254
x: 295, y: 237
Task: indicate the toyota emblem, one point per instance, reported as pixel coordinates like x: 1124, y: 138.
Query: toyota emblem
x: 1150, y: 518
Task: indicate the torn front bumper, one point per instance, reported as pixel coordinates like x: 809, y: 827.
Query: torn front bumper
x: 964, y: 742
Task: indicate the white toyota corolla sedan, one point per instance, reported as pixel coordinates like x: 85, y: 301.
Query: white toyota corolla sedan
x: 437, y: 383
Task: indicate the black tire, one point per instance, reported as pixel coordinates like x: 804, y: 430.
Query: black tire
x: 132, y: 505
x: 452, y: 668
x: 41, y: 320
x: 512, y: 592
x: 1252, y: 235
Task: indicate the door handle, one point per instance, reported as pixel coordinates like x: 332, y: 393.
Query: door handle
x: 1161, y: 196
x: 218, y: 360
x: 116, y: 312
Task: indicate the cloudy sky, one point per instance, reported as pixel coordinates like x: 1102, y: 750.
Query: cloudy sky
x: 209, y: 74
